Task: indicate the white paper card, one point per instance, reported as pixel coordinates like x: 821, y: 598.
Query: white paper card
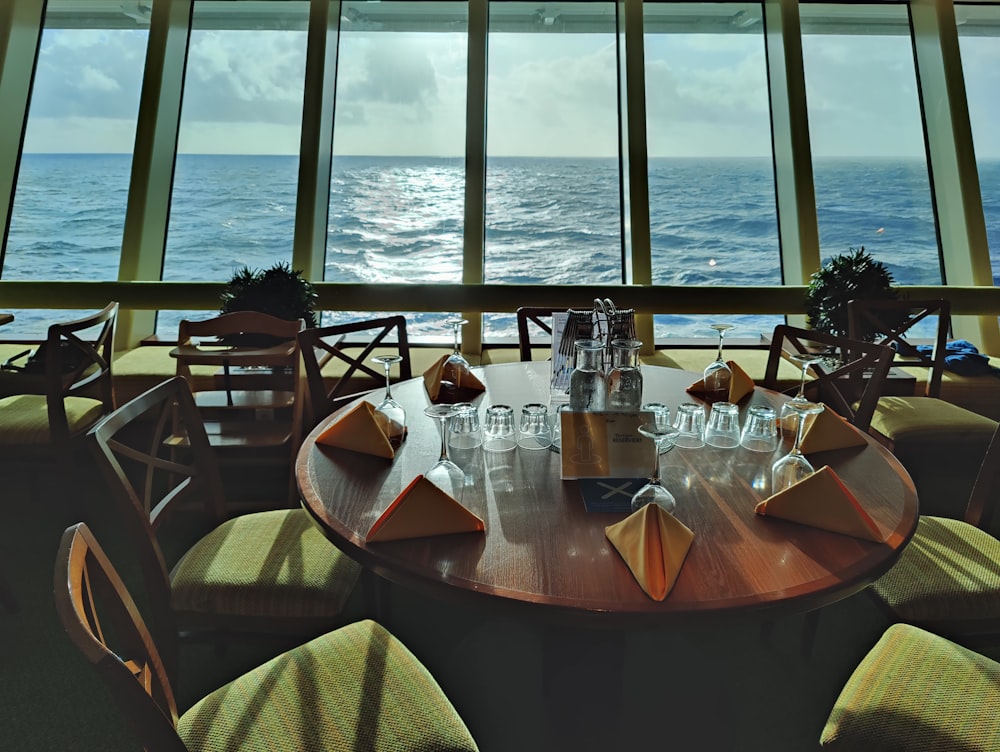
x: 605, y: 445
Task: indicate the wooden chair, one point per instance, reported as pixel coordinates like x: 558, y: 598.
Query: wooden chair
x: 940, y: 444
x: 851, y: 388
x: 947, y: 579
x: 44, y: 413
x: 356, y: 688
x: 530, y: 320
x: 917, y: 691
x: 322, y: 346
x: 269, y: 572
x: 253, y: 410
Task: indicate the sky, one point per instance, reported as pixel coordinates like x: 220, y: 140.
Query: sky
x: 548, y: 94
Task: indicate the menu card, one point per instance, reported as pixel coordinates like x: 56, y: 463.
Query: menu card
x: 605, y: 445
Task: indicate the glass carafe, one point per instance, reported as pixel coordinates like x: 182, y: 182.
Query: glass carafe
x: 625, y: 378
x: 587, y: 389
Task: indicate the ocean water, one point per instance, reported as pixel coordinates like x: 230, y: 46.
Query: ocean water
x: 551, y: 221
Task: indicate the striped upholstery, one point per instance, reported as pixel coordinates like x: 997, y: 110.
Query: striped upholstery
x: 275, y: 563
x: 357, y: 688
x: 949, y: 570
x: 917, y: 691
x: 26, y: 418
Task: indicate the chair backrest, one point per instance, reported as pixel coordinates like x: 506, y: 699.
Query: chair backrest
x: 102, y: 620
x: 850, y: 386
x: 87, y: 345
x: 986, y: 492
x: 320, y: 346
x: 532, y: 319
x: 150, y: 473
x: 257, y: 331
x: 897, y: 319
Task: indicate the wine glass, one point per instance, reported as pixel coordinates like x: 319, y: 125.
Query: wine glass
x: 718, y: 375
x: 456, y: 356
x: 444, y: 473
x: 391, y: 413
x: 794, y: 466
x: 788, y: 415
x: 654, y: 492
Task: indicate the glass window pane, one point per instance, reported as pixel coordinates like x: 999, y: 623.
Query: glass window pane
x: 979, y: 40
x: 397, y: 188
x: 233, y: 200
x: 553, y: 207
x: 865, y: 127
x: 713, y: 218
x: 68, y: 213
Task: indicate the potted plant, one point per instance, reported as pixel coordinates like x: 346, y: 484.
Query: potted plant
x: 849, y: 276
x: 278, y: 291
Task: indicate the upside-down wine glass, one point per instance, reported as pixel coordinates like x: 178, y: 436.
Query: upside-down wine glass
x: 718, y: 375
x: 390, y: 411
x: 444, y: 473
x: 653, y: 492
x: 788, y: 415
x: 794, y: 466
x: 456, y: 356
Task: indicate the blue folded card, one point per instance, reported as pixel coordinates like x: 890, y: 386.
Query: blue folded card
x: 610, y: 495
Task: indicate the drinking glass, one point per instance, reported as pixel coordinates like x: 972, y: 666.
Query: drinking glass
x: 464, y: 429
x: 534, y: 431
x: 444, y: 473
x: 587, y: 389
x: 654, y: 492
x: 690, y: 424
x: 718, y: 375
x: 794, y: 466
x: 557, y: 425
x: 498, y: 435
x: 661, y: 416
x: 625, y: 378
x: 388, y: 411
x: 456, y: 356
x: 760, y: 434
x: 723, y: 429
x: 788, y: 414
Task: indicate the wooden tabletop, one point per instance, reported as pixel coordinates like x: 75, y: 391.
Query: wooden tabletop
x: 542, y: 551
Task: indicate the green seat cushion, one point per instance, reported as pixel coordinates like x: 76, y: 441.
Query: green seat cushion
x: 141, y: 368
x: 26, y: 418
x: 266, y: 564
x: 917, y: 691
x: 357, y: 688
x: 925, y: 419
x: 949, y: 571
x: 980, y: 394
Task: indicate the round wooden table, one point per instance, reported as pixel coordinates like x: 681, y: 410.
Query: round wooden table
x: 544, y: 552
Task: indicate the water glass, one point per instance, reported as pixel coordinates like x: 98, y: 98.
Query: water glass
x: 690, y: 424
x: 557, y: 426
x: 534, y: 432
x: 661, y: 416
x: 498, y: 435
x: 723, y: 429
x: 464, y: 429
x: 760, y: 433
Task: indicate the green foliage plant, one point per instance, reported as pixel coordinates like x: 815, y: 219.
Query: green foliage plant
x: 854, y: 275
x: 278, y: 291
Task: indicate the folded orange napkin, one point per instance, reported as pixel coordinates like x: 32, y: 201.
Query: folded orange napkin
x: 739, y: 386
x: 653, y: 543
x: 829, y: 430
x: 822, y: 500
x: 465, y: 383
x: 423, y: 509
x: 359, y: 430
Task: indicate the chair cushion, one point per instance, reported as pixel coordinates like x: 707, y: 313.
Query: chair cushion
x: 357, y: 688
x: 949, y: 571
x: 925, y: 419
x: 266, y: 564
x: 917, y: 691
x: 26, y: 418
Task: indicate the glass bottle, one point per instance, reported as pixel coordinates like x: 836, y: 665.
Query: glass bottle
x: 587, y: 389
x: 625, y: 378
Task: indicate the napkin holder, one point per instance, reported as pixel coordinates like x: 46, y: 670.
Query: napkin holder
x: 464, y: 385
x: 653, y: 544
x: 423, y: 509
x: 359, y: 430
x: 822, y: 500
x: 828, y: 431
x: 740, y: 385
